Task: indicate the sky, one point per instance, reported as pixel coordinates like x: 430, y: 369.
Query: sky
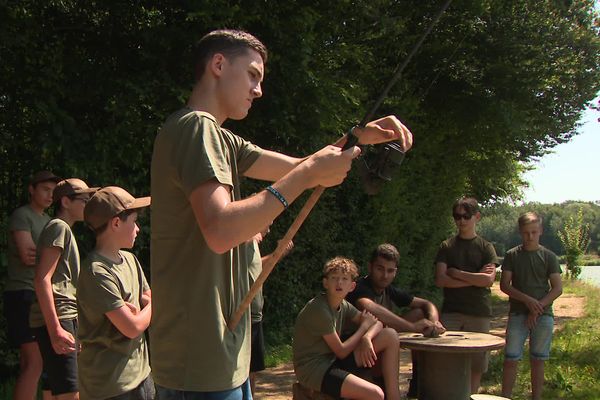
x: 572, y: 171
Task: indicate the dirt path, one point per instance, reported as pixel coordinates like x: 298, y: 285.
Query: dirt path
x: 276, y: 383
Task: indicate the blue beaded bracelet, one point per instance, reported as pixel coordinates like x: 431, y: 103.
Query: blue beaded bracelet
x: 278, y: 195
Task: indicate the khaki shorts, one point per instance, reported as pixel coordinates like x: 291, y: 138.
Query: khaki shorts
x: 469, y: 323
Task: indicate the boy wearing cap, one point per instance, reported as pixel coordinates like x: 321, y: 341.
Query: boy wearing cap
x: 54, y: 316
x: 25, y: 225
x: 114, y: 303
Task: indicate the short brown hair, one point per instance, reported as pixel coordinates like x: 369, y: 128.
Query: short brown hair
x: 123, y: 215
x: 340, y: 264
x: 529, y: 218
x: 386, y: 251
x: 469, y: 204
x: 231, y: 43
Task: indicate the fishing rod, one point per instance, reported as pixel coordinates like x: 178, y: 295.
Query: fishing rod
x: 392, y: 154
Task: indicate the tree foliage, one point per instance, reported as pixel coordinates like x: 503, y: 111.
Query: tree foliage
x: 575, y: 238
x: 84, y: 87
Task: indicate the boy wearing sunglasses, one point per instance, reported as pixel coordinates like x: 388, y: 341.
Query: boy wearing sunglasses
x: 465, y: 267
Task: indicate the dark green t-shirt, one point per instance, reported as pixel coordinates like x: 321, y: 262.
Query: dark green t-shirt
x: 530, y: 274
x: 195, y: 291
x: 20, y: 276
x: 57, y: 233
x: 110, y: 363
x: 468, y: 255
x: 312, y: 355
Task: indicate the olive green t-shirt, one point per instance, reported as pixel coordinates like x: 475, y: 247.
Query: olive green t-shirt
x: 195, y: 291
x: 109, y: 363
x: 254, y: 270
x: 312, y: 355
x: 530, y: 274
x: 20, y: 276
x: 57, y: 233
x: 468, y: 255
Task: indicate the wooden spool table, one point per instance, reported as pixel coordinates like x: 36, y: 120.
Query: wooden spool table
x: 445, y: 361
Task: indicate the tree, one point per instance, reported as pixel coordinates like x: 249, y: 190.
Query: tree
x: 575, y: 237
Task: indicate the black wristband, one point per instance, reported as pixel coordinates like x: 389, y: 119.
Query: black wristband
x: 351, y: 138
x: 278, y: 195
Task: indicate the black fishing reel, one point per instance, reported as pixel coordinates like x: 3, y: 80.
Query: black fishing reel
x: 378, y: 163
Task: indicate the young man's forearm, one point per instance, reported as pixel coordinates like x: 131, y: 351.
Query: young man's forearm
x: 480, y: 279
x: 387, y: 317
x: 442, y: 280
x: 516, y: 294
x: 552, y: 295
x: 45, y: 298
x: 373, y: 331
x: 431, y: 312
x: 225, y: 224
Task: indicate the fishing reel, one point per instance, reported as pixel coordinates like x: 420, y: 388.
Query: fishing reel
x: 377, y: 165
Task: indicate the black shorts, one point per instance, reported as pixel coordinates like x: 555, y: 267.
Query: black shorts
x: 144, y: 391
x: 16, y: 310
x: 61, y: 369
x: 337, y: 373
x: 257, y: 351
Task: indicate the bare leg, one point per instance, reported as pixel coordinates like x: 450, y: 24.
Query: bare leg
x: 252, y: 382
x: 359, y: 389
x: 475, y: 381
x: 537, y: 379
x: 386, y: 344
x: 509, y: 376
x: 30, y: 370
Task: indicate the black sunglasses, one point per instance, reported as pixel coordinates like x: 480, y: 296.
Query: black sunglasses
x: 466, y: 217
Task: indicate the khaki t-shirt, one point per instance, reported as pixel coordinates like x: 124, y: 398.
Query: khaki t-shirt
x: 20, y: 276
x: 530, y: 274
x: 468, y: 255
x: 195, y: 291
x: 110, y: 363
x: 254, y: 269
x: 57, y: 233
x: 312, y: 355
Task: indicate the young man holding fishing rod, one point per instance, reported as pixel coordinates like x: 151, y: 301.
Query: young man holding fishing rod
x: 200, y: 222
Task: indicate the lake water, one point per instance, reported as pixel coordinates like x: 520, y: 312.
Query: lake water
x: 591, y: 274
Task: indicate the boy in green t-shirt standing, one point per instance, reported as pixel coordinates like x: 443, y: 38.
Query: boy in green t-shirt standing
x: 324, y: 363
x: 114, y: 303
x: 53, y: 317
x: 25, y: 225
x: 531, y: 278
x: 465, y: 266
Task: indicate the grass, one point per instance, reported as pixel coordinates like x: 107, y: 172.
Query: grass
x: 277, y: 355
x: 573, y: 371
